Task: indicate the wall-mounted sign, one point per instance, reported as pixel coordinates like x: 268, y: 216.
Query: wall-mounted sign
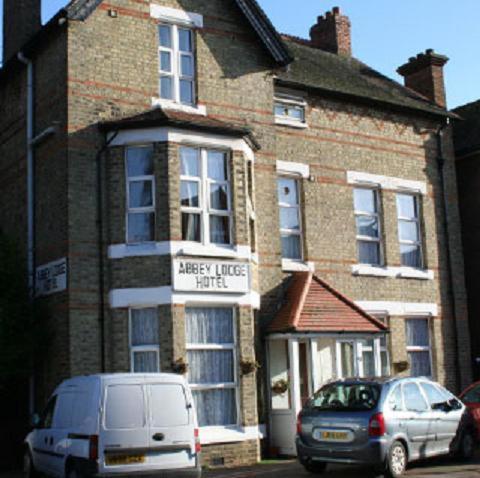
x: 51, y: 278
x: 205, y: 276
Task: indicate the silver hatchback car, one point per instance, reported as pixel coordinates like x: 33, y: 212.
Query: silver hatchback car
x: 385, y: 423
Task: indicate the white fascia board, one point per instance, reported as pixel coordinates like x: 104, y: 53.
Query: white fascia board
x: 411, y: 309
x: 148, y: 297
x: 192, y: 138
x: 393, y: 272
x: 210, y: 435
x: 386, y: 182
x: 173, y: 15
x: 298, y: 169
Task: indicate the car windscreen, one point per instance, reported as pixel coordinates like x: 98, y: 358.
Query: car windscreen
x: 346, y: 397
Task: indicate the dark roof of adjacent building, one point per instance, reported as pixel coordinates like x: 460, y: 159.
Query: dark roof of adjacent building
x: 312, y: 305
x: 157, y: 117
x: 348, y: 78
x: 466, y: 132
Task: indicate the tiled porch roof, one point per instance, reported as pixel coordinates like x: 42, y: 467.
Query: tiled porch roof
x: 312, y: 305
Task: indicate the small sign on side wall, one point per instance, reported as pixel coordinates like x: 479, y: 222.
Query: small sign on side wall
x: 51, y: 278
x: 208, y: 276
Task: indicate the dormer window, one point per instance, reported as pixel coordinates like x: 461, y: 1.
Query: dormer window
x: 290, y: 110
x: 177, y: 64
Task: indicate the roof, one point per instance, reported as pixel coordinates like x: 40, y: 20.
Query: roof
x: 312, y: 305
x: 466, y: 134
x: 349, y: 78
x: 158, y: 117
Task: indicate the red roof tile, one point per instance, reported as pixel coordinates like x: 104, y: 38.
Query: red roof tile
x: 312, y: 305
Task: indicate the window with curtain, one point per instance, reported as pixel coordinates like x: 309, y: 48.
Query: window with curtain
x: 176, y: 64
x: 205, y: 196
x: 289, y: 108
x: 418, y: 347
x: 140, y: 194
x: 144, y: 340
x: 367, y: 351
x: 212, y: 371
x: 367, y: 218
x: 408, y: 209
x: 290, y: 218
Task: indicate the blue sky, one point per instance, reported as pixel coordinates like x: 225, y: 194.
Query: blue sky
x: 387, y: 32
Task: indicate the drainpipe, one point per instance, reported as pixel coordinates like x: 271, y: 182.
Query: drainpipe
x: 441, y: 174
x: 101, y: 262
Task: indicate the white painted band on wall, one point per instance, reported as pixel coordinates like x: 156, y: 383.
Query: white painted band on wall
x: 173, y: 15
x: 148, y: 297
x: 191, y: 138
x: 386, y: 182
x: 287, y: 167
x: 211, y: 435
x: 397, y: 272
x: 408, y: 309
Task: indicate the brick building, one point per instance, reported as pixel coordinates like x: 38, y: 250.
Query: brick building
x: 467, y: 150
x: 196, y: 193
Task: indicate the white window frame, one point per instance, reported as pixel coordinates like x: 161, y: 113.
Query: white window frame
x: 416, y: 348
x: 141, y: 348
x: 139, y: 210
x: 204, y: 209
x: 415, y: 220
x: 176, y: 64
x: 233, y: 347
x: 378, y: 216
x: 299, y: 207
x: 290, y: 102
x: 358, y: 349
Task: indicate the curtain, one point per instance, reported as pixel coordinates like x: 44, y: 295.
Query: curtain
x: 209, y: 326
x: 368, y: 252
x: 420, y: 364
x: 219, y: 197
x: 210, y: 366
x: 144, y: 327
x: 417, y: 332
x: 191, y: 227
x: 215, y: 407
x: 190, y: 194
x: 291, y: 247
x: 348, y: 367
x: 145, y: 362
x: 139, y: 161
x: 141, y: 194
x: 411, y: 255
x: 219, y: 229
x: 189, y: 158
x: 217, y: 165
x: 141, y: 227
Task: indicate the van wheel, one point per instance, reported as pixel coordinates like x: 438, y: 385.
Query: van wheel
x: 29, y: 470
x: 315, y: 467
x: 396, y: 460
x: 466, y: 450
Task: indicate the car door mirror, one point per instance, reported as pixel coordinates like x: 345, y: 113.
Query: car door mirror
x: 442, y: 407
x: 35, y: 421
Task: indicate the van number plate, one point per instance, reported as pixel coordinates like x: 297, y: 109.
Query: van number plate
x: 112, y: 460
x: 323, y: 435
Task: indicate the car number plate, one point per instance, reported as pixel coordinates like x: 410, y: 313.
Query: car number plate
x: 323, y: 435
x: 113, y: 460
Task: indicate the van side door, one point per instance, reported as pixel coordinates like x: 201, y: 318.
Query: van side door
x: 42, y: 439
x: 172, y: 426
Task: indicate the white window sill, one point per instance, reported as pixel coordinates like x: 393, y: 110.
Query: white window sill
x: 393, y: 272
x: 291, y: 123
x: 171, y: 105
x: 233, y: 434
x: 174, y: 248
x: 289, y: 265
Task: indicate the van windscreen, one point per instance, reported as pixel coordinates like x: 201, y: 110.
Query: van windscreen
x: 344, y: 397
x: 169, y: 405
x: 124, y: 407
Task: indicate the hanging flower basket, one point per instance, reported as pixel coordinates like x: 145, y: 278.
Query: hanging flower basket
x: 280, y: 387
x: 180, y: 366
x: 249, y: 366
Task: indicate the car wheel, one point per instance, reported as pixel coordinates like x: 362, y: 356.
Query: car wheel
x: 28, y: 467
x: 397, y: 460
x: 315, y: 467
x: 466, y: 449
x: 72, y: 472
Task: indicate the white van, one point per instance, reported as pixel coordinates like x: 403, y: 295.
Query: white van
x: 120, y: 424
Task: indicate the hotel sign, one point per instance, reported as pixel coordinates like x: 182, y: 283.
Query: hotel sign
x: 205, y: 276
x: 51, y: 278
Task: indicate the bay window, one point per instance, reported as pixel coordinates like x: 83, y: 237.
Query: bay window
x: 290, y: 218
x: 409, y: 230
x: 140, y: 194
x: 367, y: 218
x: 418, y: 347
x: 176, y: 64
x: 144, y: 341
x: 205, y: 196
x: 212, y: 371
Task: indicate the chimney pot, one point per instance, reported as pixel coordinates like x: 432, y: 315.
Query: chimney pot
x: 332, y: 33
x: 424, y: 74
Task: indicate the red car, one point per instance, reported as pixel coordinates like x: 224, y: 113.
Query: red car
x: 471, y: 398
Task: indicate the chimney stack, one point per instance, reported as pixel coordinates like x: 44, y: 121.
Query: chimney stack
x: 332, y: 33
x: 424, y: 74
x: 21, y: 20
